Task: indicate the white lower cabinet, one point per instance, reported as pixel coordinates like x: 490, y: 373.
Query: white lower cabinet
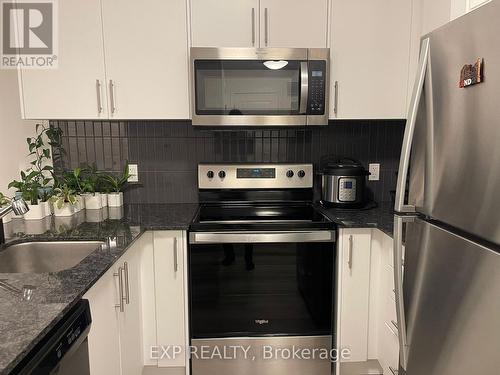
x: 367, y: 323
x: 171, y: 305
x: 138, y: 306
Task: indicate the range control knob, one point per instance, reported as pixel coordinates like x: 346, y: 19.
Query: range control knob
x: 222, y: 174
x: 301, y: 174
x: 289, y: 174
x: 210, y: 174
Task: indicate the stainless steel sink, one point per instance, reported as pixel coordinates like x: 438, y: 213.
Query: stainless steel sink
x: 41, y: 257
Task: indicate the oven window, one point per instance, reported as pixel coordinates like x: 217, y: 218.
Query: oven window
x: 246, y: 87
x: 259, y: 289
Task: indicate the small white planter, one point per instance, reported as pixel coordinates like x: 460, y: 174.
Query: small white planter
x: 93, y: 201
x: 115, y: 199
x: 66, y: 210
x: 36, y: 212
x: 104, y: 200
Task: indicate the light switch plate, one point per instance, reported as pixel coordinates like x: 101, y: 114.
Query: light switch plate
x: 134, y: 173
x: 374, y: 170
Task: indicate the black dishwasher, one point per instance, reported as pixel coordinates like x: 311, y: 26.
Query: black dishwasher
x: 64, y: 350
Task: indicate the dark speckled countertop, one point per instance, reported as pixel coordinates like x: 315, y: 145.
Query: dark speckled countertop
x: 24, y: 323
x: 381, y: 217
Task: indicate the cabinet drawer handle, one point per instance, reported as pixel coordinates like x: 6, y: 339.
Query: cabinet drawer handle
x: 127, y: 286
x: 394, y: 371
x: 266, y: 27
x: 349, y: 258
x: 112, y: 95
x: 253, y: 27
x: 336, y: 98
x: 120, y: 289
x: 176, y: 263
x: 99, y: 98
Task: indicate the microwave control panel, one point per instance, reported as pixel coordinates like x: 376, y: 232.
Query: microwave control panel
x: 317, y: 76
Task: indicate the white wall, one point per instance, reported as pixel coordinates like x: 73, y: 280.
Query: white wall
x: 13, y: 130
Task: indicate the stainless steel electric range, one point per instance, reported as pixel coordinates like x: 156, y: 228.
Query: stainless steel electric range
x: 261, y: 268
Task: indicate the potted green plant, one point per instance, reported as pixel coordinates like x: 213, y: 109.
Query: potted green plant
x: 28, y: 188
x: 73, y: 179
x: 5, y: 201
x: 34, y: 186
x: 104, y: 189
x: 117, y: 185
x: 89, y: 185
x: 64, y: 201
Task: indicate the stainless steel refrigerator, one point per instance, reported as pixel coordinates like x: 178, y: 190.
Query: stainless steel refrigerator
x: 447, y: 231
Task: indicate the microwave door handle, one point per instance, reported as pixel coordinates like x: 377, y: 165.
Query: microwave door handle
x: 304, y: 87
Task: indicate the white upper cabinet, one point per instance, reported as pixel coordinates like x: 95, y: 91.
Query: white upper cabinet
x: 293, y: 23
x: 145, y: 47
x: 370, y: 53
x: 225, y: 23
x: 259, y: 23
x: 117, y: 59
x: 76, y: 89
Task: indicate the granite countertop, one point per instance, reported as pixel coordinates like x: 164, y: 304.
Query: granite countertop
x: 381, y: 217
x: 24, y: 323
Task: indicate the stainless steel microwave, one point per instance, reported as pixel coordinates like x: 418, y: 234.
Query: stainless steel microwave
x: 260, y: 86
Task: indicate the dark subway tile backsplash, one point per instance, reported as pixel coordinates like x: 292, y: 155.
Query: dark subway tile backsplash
x: 168, y: 152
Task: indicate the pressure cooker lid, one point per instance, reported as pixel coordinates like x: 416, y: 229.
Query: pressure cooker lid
x: 345, y: 168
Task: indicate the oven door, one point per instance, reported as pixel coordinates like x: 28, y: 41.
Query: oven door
x: 256, y: 86
x: 251, y: 284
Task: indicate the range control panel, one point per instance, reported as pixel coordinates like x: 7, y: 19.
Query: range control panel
x: 317, y: 87
x: 255, y: 176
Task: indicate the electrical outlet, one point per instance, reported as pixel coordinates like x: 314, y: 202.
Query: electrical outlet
x: 134, y: 173
x: 374, y: 170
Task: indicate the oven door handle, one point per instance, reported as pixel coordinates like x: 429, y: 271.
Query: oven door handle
x: 304, y: 87
x: 261, y: 237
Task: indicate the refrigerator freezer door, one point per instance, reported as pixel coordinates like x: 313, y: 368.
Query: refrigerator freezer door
x: 451, y: 287
x: 455, y: 174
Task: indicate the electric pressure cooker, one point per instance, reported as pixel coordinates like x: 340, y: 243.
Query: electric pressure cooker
x: 344, y: 184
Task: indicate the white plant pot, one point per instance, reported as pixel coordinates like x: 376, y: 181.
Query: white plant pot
x: 66, y: 210
x: 115, y: 199
x: 36, y: 212
x: 93, y: 201
x: 104, y: 200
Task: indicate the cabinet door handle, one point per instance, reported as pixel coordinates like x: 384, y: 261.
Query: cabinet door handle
x: 112, y: 95
x: 99, y: 97
x: 176, y: 263
x: 266, y: 27
x: 253, y: 27
x: 393, y: 370
x: 120, y: 289
x: 127, y: 286
x: 349, y: 254
x: 336, y: 98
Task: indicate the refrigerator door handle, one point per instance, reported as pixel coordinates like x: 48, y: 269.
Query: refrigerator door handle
x: 398, y: 287
x: 404, y: 162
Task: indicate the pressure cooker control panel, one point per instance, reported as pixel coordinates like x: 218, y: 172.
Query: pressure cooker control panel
x: 347, y: 189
